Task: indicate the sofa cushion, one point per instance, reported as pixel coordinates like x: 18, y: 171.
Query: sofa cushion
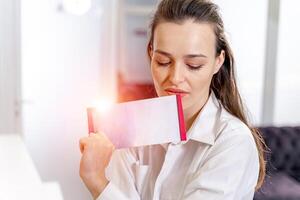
x: 279, y: 186
x: 284, y: 144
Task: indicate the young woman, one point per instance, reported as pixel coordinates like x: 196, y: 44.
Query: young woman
x: 223, y: 156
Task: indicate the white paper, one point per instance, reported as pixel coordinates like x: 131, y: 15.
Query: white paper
x: 139, y: 123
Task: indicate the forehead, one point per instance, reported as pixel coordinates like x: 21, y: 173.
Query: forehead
x: 188, y: 37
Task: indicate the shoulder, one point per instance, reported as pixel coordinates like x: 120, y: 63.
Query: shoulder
x: 233, y: 133
x: 231, y: 161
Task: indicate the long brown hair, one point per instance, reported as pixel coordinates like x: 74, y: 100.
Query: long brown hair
x: 223, y: 83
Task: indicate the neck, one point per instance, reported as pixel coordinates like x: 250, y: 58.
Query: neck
x: 191, y: 113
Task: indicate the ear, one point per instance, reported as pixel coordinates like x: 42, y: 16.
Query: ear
x: 150, y: 51
x: 219, y: 61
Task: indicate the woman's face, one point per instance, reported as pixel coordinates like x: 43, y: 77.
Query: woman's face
x: 183, y: 61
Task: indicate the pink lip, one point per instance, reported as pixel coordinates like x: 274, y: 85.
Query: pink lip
x: 172, y: 91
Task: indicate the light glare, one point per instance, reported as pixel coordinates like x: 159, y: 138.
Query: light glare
x: 103, y: 105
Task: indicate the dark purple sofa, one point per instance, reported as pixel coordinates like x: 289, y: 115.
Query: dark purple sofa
x: 283, y: 164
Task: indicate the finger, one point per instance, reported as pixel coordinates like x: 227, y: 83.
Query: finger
x: 82, y: 143
x: 101, y: 135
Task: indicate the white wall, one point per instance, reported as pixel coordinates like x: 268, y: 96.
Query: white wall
x: 63, y: 71
x: 9, y: 66
x: 287, y: 93
x: 246, y: 24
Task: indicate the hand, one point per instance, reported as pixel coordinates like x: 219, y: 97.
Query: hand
x: 96, y: 152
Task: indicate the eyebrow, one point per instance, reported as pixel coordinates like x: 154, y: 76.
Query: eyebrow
x: 186, y: 56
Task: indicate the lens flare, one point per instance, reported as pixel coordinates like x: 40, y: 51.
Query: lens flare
x: 103, y: 104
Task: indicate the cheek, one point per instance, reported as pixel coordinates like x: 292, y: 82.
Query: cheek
x: 157, y: 74
x: 201, y: 81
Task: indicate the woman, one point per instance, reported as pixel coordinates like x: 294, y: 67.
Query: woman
x: 223, y: 156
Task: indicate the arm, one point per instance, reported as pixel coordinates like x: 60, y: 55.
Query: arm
x: 230, y: 171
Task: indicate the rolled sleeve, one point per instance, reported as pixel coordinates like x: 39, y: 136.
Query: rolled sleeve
x: 121, y: 184
x: 112, y: 192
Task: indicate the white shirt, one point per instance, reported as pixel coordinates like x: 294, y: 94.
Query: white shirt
x: 219, y: 160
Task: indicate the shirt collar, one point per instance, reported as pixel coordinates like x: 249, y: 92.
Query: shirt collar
x: 206, y: 126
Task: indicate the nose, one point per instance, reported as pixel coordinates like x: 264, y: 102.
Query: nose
x: 176, y: 74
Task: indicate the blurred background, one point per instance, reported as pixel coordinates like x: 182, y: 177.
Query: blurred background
x: 59, y: 56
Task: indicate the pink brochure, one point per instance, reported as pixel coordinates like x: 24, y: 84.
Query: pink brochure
x: 139, y: 123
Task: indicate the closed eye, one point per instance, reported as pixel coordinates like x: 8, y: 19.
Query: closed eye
x: 163, y: 63
x: 195, y: 67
